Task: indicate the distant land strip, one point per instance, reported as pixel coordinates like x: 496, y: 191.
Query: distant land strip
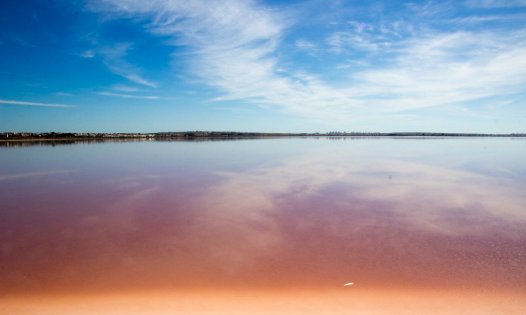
x: 20, y: 136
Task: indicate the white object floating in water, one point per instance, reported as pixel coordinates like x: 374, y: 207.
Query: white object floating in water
x: 348, y: 284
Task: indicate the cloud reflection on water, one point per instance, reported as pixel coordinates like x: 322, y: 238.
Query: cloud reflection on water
x: 305, y: 220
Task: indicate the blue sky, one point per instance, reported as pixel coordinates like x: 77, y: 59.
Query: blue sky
x: 147, y: 66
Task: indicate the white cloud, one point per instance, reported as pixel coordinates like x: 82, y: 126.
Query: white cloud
x: 115, y: 59
x: 63, y: 94
x: 124, y: 88
x: 449, y: 68
x: 480, y: 19
x: 496, y: 3
x: 304, y: 44
x: 234, y: 45
x: 23, y: 103
x: 235, y: 48
x: 88, y: 54
x: 122, y: 95
x: 340, y: 42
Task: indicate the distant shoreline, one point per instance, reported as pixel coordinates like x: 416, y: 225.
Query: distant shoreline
x: 188, y: 135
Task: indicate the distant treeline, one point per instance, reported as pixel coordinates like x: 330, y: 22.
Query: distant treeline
x: 8, y: 136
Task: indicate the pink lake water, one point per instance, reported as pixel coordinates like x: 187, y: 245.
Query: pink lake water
x: 264, y: 226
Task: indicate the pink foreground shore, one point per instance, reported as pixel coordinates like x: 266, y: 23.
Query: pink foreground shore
x: 345, y: 301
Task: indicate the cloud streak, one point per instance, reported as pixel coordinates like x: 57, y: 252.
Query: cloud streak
x: 36, y: 104
x: 496, y: 3
x: 115, y: 59
x: 122, y: 95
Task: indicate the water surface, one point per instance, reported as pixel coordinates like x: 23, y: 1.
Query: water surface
x: 265, y: 226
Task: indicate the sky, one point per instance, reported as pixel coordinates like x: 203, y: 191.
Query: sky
x: 269, y: 66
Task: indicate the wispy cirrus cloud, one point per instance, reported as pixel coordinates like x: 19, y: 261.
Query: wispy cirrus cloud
x: 445, y: 68
x: 115, y: 59
x: 122, y: 95
x: 480, y: 19
x: 303, y: 44
x: 400, y: 65
x: 394, y: 65
x: 88, y: 54
x: 496, y: 3
x: 63, y: 94
x: 233, y: 49
x: 124, y: 88
x: 37, y: 104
